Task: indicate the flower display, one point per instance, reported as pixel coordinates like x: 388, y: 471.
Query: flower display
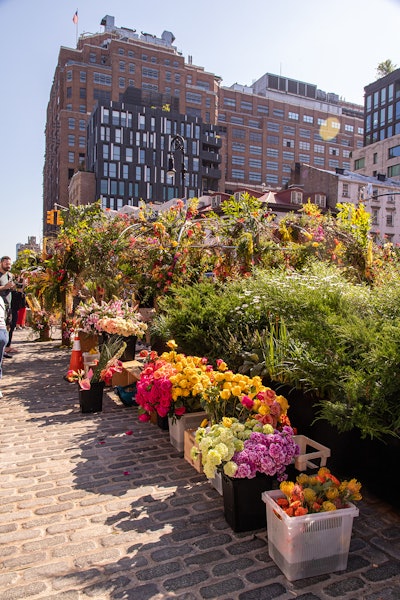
x: 41, y: 319
x: 116, y: 317
x: 245, y: 449
x: 317, y: 493
x: 171, y: 384
x: 235, y: 394
x: 106, y: 366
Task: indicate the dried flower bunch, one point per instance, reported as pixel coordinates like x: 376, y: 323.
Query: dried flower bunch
x: 317, y: 493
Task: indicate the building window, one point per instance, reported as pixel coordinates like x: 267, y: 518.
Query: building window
x: 237, y: 174
x: 237, y: 120
x: 82, y: 141
x: 273, y: 179
x: 129, y: 154
x: 263, y: 110
x: 121, y: 51
x: 288, y: 143
x: 271, y: 165
x: 92, y: 57
x: 272, y: 152
x: 82, y: 92
x: 320, y: 200
x: 71, y: 123
x: 319, y: 161
x: 333, y: 163
x: 82, y: 76
x: 244, y: 105
x: 359, y: 163
x: 296, y: 197
x: 293, y: 116
x: 289, y: 130
x: 319, y: 149
x: 193, y: 98
x: 273, y: 126
x: 308, y: 119
x: 69, y: 92
x: 151, y: 73
x: 254, y: 136
x: 333, y: 151
x: 252, y: 123
x: 304, y: 146
x: 277, y: 112
x: 102, y: 79
x: 238, y: 147
x: 288, y: 155
x: 230, y: 102
x: 122, y: 65
x: 393, y: 152
x: 255, y: 149
x: 71, y: 140
x: 345, y: 190
x: 304, y: 158
x: 71, y: 157
x: 238, y: 133
x: 393, y: 171
x: 255, y: 163
x: 238, y: 160
x: 272, y: 140
x: 349, y: 128
x: 255, y: 177
x: 69, y: 75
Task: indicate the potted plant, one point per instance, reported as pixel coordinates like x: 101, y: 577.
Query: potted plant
x: 251, y: 457
x: 309, y: 523
x: 41, y: 322
x: 92, y: 382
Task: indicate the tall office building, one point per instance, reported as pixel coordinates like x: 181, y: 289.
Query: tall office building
x: 263, y: 128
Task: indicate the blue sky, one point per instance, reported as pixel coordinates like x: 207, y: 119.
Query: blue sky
x: 335, y: 45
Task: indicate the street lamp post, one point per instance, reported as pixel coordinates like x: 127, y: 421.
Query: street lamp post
x: 177, y: 143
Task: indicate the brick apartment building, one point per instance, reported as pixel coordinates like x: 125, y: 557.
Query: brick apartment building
x: 263, y: 128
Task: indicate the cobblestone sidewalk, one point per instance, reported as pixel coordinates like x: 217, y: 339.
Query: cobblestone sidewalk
x: 103, y: 507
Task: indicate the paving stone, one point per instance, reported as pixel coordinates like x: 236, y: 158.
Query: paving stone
x: 73, y: 526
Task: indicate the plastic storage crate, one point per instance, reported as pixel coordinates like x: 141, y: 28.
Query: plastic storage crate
x: 310, y: 545
x: 310, y: 451
x: 177, y: 427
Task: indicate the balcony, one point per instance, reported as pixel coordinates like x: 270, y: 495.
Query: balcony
x: 208, y: 156
x: 211, y: 172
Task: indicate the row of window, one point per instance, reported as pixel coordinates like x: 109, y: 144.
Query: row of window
x: 271, y: 166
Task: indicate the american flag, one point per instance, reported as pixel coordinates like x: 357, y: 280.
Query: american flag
x: 75, y: 18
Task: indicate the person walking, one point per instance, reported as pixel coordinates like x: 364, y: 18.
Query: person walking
x: 6, y: 286
x: 3, y: 335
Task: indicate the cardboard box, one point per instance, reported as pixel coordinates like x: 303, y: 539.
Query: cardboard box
x: 189, y: 443
x: 130, y: 373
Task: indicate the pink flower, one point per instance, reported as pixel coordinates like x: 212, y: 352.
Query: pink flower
x: 247, y: 402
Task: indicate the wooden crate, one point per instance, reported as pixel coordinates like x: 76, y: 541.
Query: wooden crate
x: 189, y: 442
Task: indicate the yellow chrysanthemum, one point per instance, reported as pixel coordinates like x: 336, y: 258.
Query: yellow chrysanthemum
x: 328, y: 506
x: 225, y: 394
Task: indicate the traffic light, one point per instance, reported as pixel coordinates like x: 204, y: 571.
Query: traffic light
x: 58, y: 219
x: 50, y: 217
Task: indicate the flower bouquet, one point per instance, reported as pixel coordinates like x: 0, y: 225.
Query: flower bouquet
x: 244, y: 449
x: 116, y: 317
x: 171, y: 384
x: 317, y: 493
x: 237, y: 395
x: 41, y: 321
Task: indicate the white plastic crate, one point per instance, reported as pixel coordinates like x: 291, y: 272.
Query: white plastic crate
x: 310, y: 451
x: 177, y: 427
x: 310, y: 545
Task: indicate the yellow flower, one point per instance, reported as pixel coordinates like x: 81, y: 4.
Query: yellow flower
x: 172, y: 344
x: 225, y: 394
x: 227, y: 421
x: 328, y: 506
x: 236, y: 390
x: 283, y: 402
x: 222, y: 366
x: 286, y: 488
